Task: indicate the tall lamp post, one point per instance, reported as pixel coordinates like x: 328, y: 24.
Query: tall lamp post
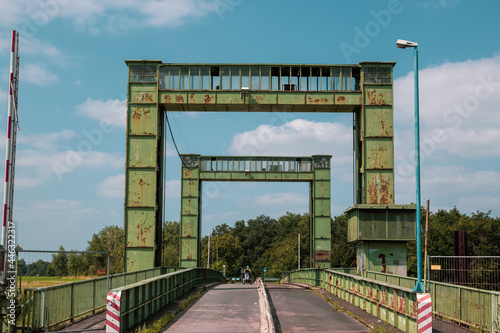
x: 403, y: 44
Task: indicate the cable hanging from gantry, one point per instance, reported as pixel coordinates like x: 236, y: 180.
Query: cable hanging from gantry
x: 173, y: 140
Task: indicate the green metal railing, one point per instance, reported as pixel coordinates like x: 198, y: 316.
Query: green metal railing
x: 140, y: 300
x: 48, y: 307
x: 459, y: 305
x: 391, y: 303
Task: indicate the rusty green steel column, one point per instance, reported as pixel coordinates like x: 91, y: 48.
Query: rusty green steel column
x: 375, y: 136
x: 143, y: 164
x: 190, y: 211
x: 321, y: 216
x: 379, y: 228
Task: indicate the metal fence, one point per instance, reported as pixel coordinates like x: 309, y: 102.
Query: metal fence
x: 475, y: 272
x: 48, y: 307
x: 140, y: 300
x: 392, y: 303
x: 455, y: 308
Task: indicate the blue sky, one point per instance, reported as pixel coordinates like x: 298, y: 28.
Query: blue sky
x: 70, y: 172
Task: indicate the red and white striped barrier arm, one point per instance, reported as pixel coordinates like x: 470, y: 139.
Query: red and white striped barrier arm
x: 424, y: 313
x: 113, y: 312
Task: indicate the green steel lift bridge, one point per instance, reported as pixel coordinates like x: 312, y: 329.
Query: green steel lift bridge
x: 378, y: 226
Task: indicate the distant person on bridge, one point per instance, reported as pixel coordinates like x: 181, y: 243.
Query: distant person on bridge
x: 247, y: 273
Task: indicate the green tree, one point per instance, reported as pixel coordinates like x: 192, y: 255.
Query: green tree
x: 60, y: 262
x: 37, y: 268
x: 282, y: 254
x: 260, y: 234
x: 229, y: 251
x: 170, y: 243
x: 343, y: 253
x: 76, y: 264
x: 22, y: 268
x: 110, y: 240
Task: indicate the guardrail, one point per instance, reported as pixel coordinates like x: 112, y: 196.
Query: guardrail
x: 459, y: 305
x: 45, y: 308
x: 129, y: 305
x: 394, y: 304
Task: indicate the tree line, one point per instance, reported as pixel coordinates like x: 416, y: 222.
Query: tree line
x: 265, y: 242
x: 109, y: 239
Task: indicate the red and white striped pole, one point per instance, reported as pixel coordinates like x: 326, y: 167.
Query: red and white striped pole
x: 8, y: 191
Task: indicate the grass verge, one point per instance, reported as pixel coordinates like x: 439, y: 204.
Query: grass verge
x: 159, y: 325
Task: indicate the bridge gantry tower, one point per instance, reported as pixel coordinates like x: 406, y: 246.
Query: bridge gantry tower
x: 378, y: 226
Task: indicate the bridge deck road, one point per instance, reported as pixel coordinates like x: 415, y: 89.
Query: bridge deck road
x: 224, y: 308
x: 298, y: 309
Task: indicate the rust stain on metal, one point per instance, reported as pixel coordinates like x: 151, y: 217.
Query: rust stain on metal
x: 179, y: 98
x: 167, y: 99
x: 259, y: 99
x: 372, y: 97
x: 378, y: 187
x: 374, y: 296
x: 322, y: 256
x: 413, y: 309
x: 386, y: 130
x: 322, y: 100
x: 187, y: 229
x: 384, y: 266
x: 207, y: 99
x: 401, y: 305
x: 192, y: 99
x: 145, y: 97
x: 376, y: 156
x: 141, y: 234
x: 368, y: 292
x: 137, y: 114
x: 383, y: 301
x: 391, y: 301
x: 341, y: 100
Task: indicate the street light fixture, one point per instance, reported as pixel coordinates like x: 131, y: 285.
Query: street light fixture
x: 403, y: 44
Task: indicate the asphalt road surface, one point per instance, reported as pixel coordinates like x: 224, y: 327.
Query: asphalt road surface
x: 298, y: 309
x: 224, y: 308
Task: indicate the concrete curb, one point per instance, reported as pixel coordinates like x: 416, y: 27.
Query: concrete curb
x: 266, y: 319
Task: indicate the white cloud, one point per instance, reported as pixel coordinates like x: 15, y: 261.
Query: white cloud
x: 295, y: 138
x: 483, y: 203
x: 458, y: 108
x: 283, y: 199
x: 43, y: 48
x: 46, y: 141
x: 37, y: 74
x: 445, y: 184
x: 47, y: 164
x: 112, y: 111
x: 118, y: 14
x: 22, y: 182
x: 173, y: 189
x: 112, y: 187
